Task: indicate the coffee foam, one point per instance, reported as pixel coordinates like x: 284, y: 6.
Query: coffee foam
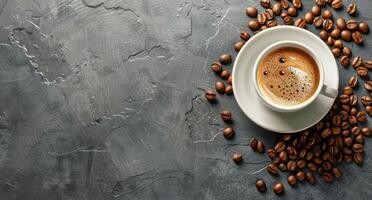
x: 290, y: 82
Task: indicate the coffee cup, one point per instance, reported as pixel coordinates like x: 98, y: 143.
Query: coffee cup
x: 292, y: 104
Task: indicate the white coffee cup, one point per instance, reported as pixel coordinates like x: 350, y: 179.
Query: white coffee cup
x: 321, y: 90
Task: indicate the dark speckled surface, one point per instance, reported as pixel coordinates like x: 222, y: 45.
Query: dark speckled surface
x: 102, y: 99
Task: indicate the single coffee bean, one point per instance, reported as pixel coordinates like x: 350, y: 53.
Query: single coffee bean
x: 220, y: 87
x: 363, y: 27
x: 337, y: 4
x: 346, y: 35
x: 316, y: 10
x: 341, y: 23
x: 216, y: 67
x: 210, y: 95
x: 226, y: 116
x: 253, y: 143
x: 238, y: 46
x: 351, y: 24
x: 326, y: 132
x: 253, y: 25
x: 260, y: 147
x: 357, y: 37
x: 353, y: 81
x: 311, y: 166
x: 358, y: 158
x: 301, y: 163
x: 328, y: 24
x: 237, y: 158
x: 271, y: 23
x: 368, y: 109
x: 361, y: 116
x: 251, y: 11
x: 353, y: 120
x: 225, y: 74
x: 318, y: 22
x: 244, y: 36
x: 355, y: 131
x: 366, y: 100
x: 336, y: 120
x: 366, y: 131
x: 345, y: 133
x: 359, y: 139
x: 351, y: 9
x: 265, y: 3
x: 297, y: 4
x: 310, y: 178
x: 263, y: 27
x: 327, y: 14
x: 291, y: 165
x: 284, y: 4
x: 225, y: 58
x: 338, y: 44
x: 323, y: 35
x: 272, y: 169
x: 330, y: 41
x: 277, y: 9
x: 345, y: 108
x: 269, y: 14
x: 271, y: 153
x: 368, y: 64
x: 346, y: 51
x: 357, y: 148
x: 279, y: 147
x: 286, y: 137
x: 348, y: 141
x: 300, y: 23
x: 320, y: 3
x: 261, y: 185
x: 309, y: 17
x: 292, y: 12
x: 288, y: 20
x: 300, y: 176
x: 292, y: 180
x: 327, y: 165
x: 353, y: 111
x: 261, y: 18
x: 362, y: 71
x: 317, y: 161
x: 336, y: 52
x: 283, y: 156
x: 368, y: 85
x: 228, y: 133
x: 229, y: 90
x: 347, y: 150
x: 344, y: 61
x: 336, y: 33
x: 278, y: 188
x: 357, y: 62
x: 282, y: 167
x: 336, y: 172
x: 353, y: 100
x: 229, y: 80
x: 327, y: 177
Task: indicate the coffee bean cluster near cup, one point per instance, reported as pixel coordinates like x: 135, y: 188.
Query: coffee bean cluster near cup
x: 287, y: 76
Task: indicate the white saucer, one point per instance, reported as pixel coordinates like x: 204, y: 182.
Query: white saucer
x: 250, y: 102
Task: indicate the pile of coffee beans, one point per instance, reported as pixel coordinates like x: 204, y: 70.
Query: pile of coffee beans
x: 338, y: 137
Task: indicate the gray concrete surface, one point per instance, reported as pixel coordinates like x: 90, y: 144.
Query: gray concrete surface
x: 101, y: 99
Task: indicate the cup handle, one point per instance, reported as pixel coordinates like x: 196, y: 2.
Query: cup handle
x: 329, y: 92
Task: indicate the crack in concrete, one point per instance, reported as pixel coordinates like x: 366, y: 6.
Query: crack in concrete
x: 131, y: 59
x: 3, y: 6
x: 192, y: 105
x: 102, y: 4
x: 80, y: 149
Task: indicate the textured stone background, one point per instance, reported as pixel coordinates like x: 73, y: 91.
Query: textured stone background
x: 101, y: 99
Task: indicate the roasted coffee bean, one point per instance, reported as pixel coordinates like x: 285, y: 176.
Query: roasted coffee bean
x: 291, y: 179
x: 336, y: 52
x: 229, y: 90
x: 351, y: 9
x: 253, y: 25
x: 309, y: 155
x: 323, y: 35
x: 278, y: 188
x: 260, y: 147
x: 320, y: 3
x: 279, y: 147
x: 327, y: 165
x: 341, y: 23
x: 353, y: 111
x: 286, y: 137
x: 347, y: 90
x: 344, y: 99
x: 277, y: 9
x: 261, y: 18
x: 309, y: 17
x: 244, y: 36
x: 316, y: 10
x: 253, y: 143
x: 292, y: 12
x: 338, y: 44
x: 263, y: 27
x: 368, y: 64
x: 362, y: 71
x: 272, y: 169
x: 216, y: 67
x: 225, y: 74
x: 238, y: 46
x: 361, y: 116
x: 359, y: 139
x: 345, y: 125
x: 327, y: 14
x: 317, y: 160
x: 301, y: 163
x: 357, y: 61
x: 225, y: 58
x: 368, y: 85
x: 348, y: 158
x: 271, y: 23
x: 344, y: 61
x: 346, y: 35
x: 353, y: 120
x: 261, y: 185
x: 336, y: 172
x: 271, y: 153
x: 226, y: 116
x: 336, y: 120
x: 288, y: 20
x: 357, y: 37
x: 265, y: 3
x: 336, y: 33
x: 351, y: 24
x: 366, y: 131
x: 220, y: 87
x: 358, y: 158
x: 346, y: 51
x: 327, y: 177
x: 269, y: 14
x: 353, y: 100
x: 347, y: 150
x: 228, y: 133
x: 283, y: 156
x: 284, y: 4
x: 366, y: 100
x: 330, y: 41
x: 237, y: 158
x: 210, y: 95
x: 369, y: 110
x: 251, y: 11
x: 344, y: 115
x: 282, y: 167
x: 357, y: 148
x: 297, y: 3
x: 311, y: 166
x: 348, y: 141
x: 337, y: 4
x: 318, y: 22
x: 310, y: 178
x: 326, y: 132
x: 355, y: 131
x: 328, y: 24
x: 300, y: 23
x: 363, y: 27
x: 291, y: 165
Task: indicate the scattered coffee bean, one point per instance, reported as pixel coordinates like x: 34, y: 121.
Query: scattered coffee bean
x: 277, y: 9
x: 369, y: 110
x: 309, y: 17
x: 310, y: 178
x: 357, y: 62
x: 336, y: 172
x: 269, y: 14
x: 292, y: 180
x: 316, y: 10
x: 346, y: 51
x: 225, y: 74
x: 291, y: 165
x: 363, y: 27
x: 229, y: 80
x: 244, y: 36
x: 279, y: 147
x: 271, y: 153
x: 348, y: 141
x: 253, y: 25
x: 300, y: 23
x: 261, y: 185
x: 282, y: 167
x: 251, y: 11
x: 330, y: 41
x: 337, y: 4
x: 320, y: 3
x: 284, y: 4
x: 278, y: 188
x: 346, y: 35
x: 359, y: 139
x: 260, y: 147
x: 336, y: 52
x: 237, y: 158
x: 357, y: 37
x: 228, y: 133
x: 353, y: 111
x: 338, y: 44
x: 292, y: 12
x: 366, y: 100
x: 361, y: 116
x: 341, y: 23
x: 216, y: 67
x: 323, y: 35
x: 210, y: 95
x: 344, y: 61
x: 226, y: 116
x: 220, y: 87
x: 353, y: 120
x: 328, y: 24
x: 327, y: 14
x: 253, y: 143
x: 225, y: 58
x: 353, y: 81
x: 335, y: 33
x: 318, y: 22
x: 353, y: 100
x: 357, y: 148
x: 271, y: 23
x: 355, y: 131
x: 362, y: 71
x: 272, y: 169
x: 265, y: 3
x: 238, y: 46
x: 358, y: 158
x: 327, y: 177
x: 366, y: 131
x: 368, y: 64
x: 229, y: 90
x: 300, y: 176
x: 351, y: 24
x: 368, y: 85
x: 351, y: 9
x: 297, y: 3
x: 261, y: 18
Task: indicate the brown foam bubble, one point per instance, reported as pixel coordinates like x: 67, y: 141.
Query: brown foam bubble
x: 288, y: 76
